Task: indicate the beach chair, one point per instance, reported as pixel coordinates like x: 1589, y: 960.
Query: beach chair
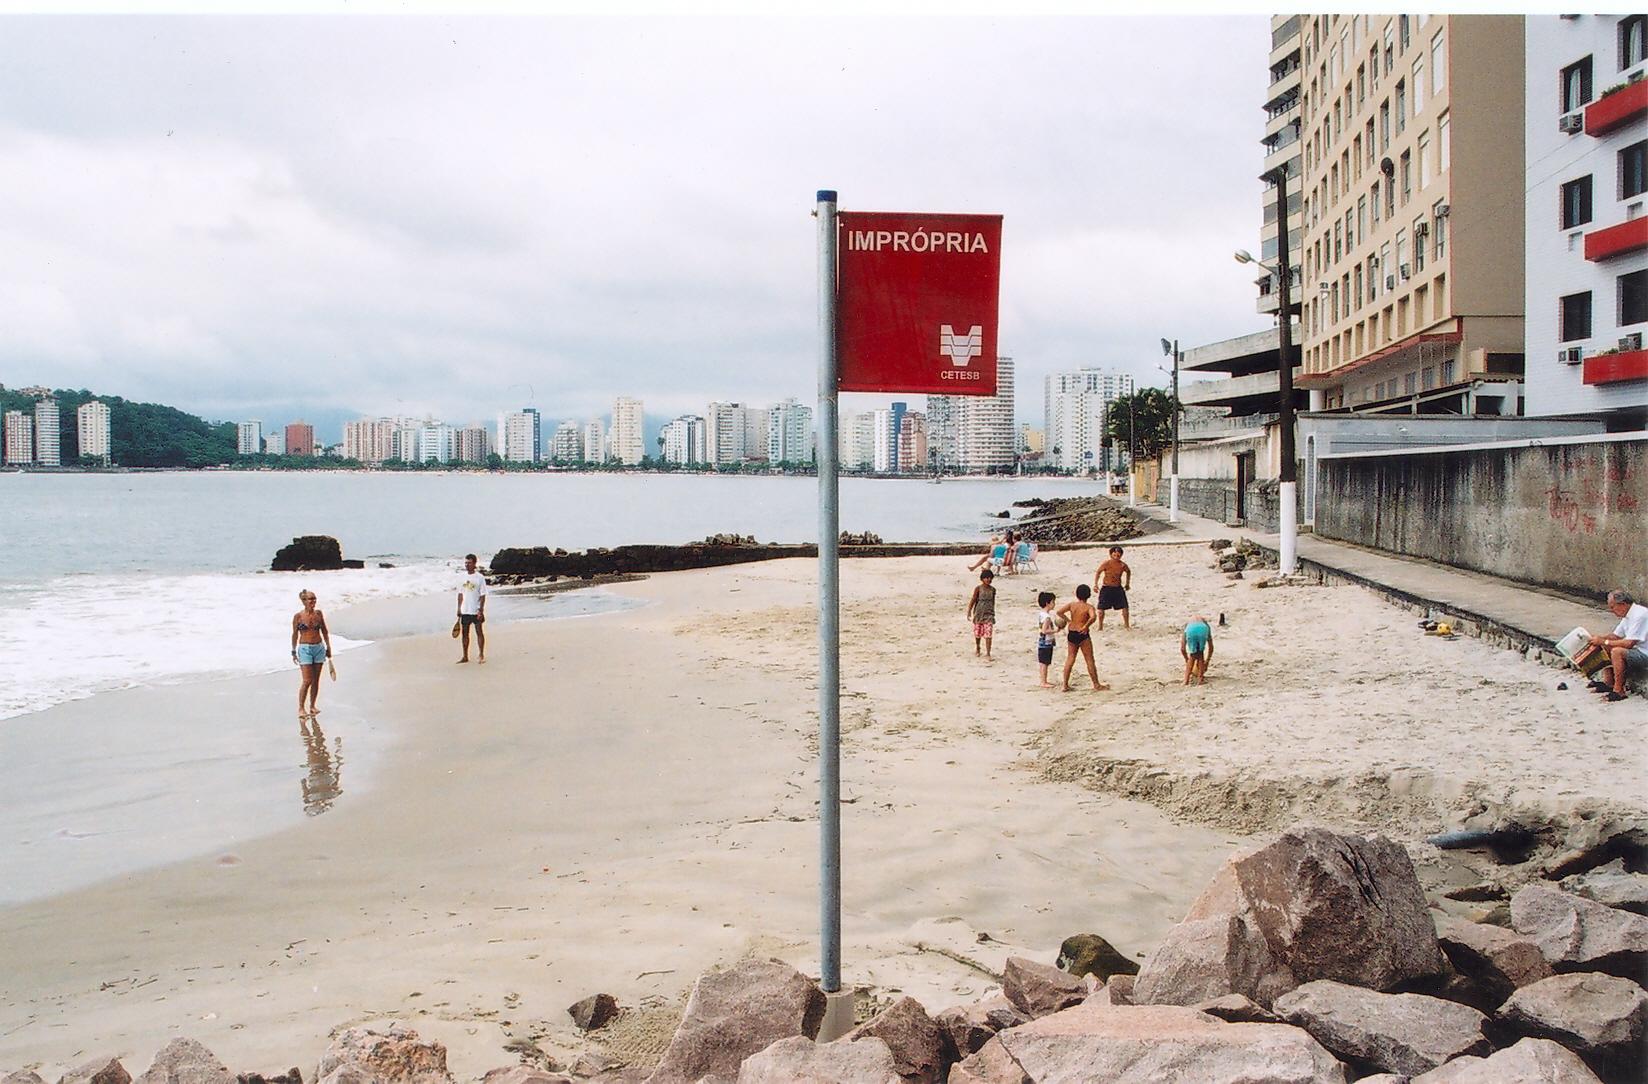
x: 998, y: 557
x: 1025, y: 560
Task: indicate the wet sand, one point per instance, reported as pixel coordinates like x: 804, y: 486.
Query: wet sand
x: 617, y: 802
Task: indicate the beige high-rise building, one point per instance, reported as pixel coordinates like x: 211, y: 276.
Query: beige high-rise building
x: 93, y: 424
x: 1412, y: 126
x: 628, y: 443
x: 19, y: 437
x: 1281, y: 141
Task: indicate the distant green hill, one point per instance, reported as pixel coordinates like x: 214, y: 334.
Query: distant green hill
x: 140, y: 434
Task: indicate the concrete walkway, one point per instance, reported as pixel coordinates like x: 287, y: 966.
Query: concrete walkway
x: 1513, y: 614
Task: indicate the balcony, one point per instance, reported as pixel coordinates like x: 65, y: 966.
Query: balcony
x: 1288, y: 84
x: 1628, y: 236
x: 1616, y: 368
x: 1617, y: 109
x: 1287, y: 153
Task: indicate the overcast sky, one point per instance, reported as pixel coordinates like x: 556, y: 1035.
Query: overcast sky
x: 455, y: 215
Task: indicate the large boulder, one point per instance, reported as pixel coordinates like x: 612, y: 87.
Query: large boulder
x: 1577, y: 934
x: 734, y: 1013
x: 1613, y: 886
x: 1531, y: 1061
x: 1090, y: 954
x: 1128, y: 1044
x: 799, y: 1060
x: 919, y: 1046
x: 969, y: 1027
x: 1393, y: 1033
x: 99, y: 1070
x: 1602, y: 1018
x: 185, y: 1061
x: 1314, y: 904
x: 394, y: 1055
x: 594, y: 1011
x: 1500, y: 961
x: 1038, y: 989
x: 309, y: 553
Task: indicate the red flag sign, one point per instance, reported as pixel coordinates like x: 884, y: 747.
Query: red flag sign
x: 917, y: 300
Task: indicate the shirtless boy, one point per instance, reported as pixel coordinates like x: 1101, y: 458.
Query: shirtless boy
x: 1112, y: 580
x: 1080, y: 614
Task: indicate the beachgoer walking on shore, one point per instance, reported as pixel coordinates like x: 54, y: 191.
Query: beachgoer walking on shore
x: 1111, y: 580
x: 981, y: 611
x: 1196, y: 648
x: 311, y: 646
x: 472, y: 608
x: 1047, y: 634
x: 1080, y: 614
x: 1627, y: 645
x: 994, y: 555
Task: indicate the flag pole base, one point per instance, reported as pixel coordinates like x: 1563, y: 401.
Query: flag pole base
x: 838, y: 1014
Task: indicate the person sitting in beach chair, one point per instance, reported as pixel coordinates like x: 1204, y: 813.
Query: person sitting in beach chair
x: 1008, y: 565
x: 994, y: 556
x: 1025, y: 558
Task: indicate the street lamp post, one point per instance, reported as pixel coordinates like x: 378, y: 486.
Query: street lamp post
x: 1132, y: 445
x: 1172, y: 349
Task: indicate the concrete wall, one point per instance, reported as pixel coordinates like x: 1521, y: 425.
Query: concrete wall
x: 1215, y: 498
x: 1564, y: 513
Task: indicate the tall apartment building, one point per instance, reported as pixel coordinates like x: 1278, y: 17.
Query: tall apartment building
x: 1283, y: 146
x: 48, y: 433
x: 518, y: 436
x: 912, y: 443
x: 437, y: 443
x: 790, y: 433
x: 566, y: 444
x: 1408, y: 123
x: 300, y: 439
x: 972, y: 433
x: 1586, y: 227
x: 19, y: 438
x: 275, y: 443
x: 736, y: 433
x: 249, y: 438
x: 473, y: 444
x: 92, y: 424
x: 595, y: 441
x: 858, y: 435
x: 1074, y: 408
x: 369, y: 440
x: 628, y: 431
x: 685, y: 440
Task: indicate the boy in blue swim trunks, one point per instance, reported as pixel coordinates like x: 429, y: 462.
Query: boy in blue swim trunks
x: 1196, y: 646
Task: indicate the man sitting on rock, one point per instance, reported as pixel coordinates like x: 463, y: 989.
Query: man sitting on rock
x: 1625, y: 645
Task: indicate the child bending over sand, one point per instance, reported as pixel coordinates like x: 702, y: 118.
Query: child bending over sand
x: 1196, y: 646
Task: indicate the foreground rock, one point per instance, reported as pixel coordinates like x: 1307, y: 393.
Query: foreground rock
x: 1077, y: 519
x: 798, y: 1060
x: 524, y: 1074
x: 1602, y: 1018
x: 185, y: 1061
x: 1090, y: 954
x: 21, y: 1076
x: 1236, y: 1009
x: 1038, y: 989
x: 969, y: 1027
x: 594, y: 1011
x: 1500, y: 961
x: 394, y: 1055
x: 1147, y: 1045
x: 100, y: 1070
x: 1531, y: 1061
x: 309, y: 553
x: 1612, y: 886
x: 1393, y: 1033
x: 918, y: 1045
x: 1314, y: 904
x: 1578, y: 934
x: 735, y: 1013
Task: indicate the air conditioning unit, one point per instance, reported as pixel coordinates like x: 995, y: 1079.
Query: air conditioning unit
x: 1406, y: 274
x: 1442, y: 210
x: 1571, y: 123
x: 1571, y: 355
x: 1421, y: 229
x: 1390, y: 282
x: 1633, y: 341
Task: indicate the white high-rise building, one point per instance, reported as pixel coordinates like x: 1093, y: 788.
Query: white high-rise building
x: 403, y: 442
x: 48, y: 435
x: 725, y: 434
x: 628, y: 431
x: 973, y: 433
x: 858, y: 440
x: 19, y: 437
x: 518, y: 436
x: 275, y: 443
x: 249, y: 437
x: 436, y: 443
x: 685, y: 440
x: 93, y: 422
x: 790, y: 433
x: 884, y: 443
x: 595, y: 441
x: 1074, y: 410
x: 566, y: 444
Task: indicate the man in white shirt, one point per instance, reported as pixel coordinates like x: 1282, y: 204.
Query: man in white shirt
x: 1625, y: 645
x: 472, y: 608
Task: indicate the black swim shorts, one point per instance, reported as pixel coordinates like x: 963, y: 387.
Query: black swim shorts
x: 1112, y: 598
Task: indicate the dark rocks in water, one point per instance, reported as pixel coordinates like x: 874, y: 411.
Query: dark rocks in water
x: 1078, y: 519
x: 863, y: 538
x: 730, y: 540
x: 291, y: 1076
x: 309, y: 553
x: 352, y: 563
x: 385, y: 564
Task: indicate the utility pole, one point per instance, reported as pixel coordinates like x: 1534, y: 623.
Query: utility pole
x: 1132, y: 445
x: 1172, y: 348
x: 1284, y: 365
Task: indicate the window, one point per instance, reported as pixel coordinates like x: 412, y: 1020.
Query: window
x: 1374, y: 192
x: 1338, y: 241
x: 1402, y: 269
x: 1344, y: 50
x: 1576, y: 317
x: 1439, y: 65
x: 1427, y: 377
x: 1402, y: 31
x: 1384, y: 124
x: 1576, y: 202
x: 1631, y: 45
x: 1424, y: 160
x: 1390, y: 47
x: 1419, y: 228
x: 1358, y: 286
x: 1633, y: 298
x: 1373, y: 66
x: 1576, y: 85
x: 1367, y: 139
x: 1418, y: 85
x: 1333, y: 62
x: 1350, y: 230
x: 1361, y: 85
x: 1439, y: 225
x: 1449, y: 367
x: 1362, y: 216
x: 1633, y: 170
x: 1401, y: 105
x: 1407, y: 177
x: 1390, y: 197
x: 1373, y: 277
x: 1410, y: 383
x: 1442, y: 140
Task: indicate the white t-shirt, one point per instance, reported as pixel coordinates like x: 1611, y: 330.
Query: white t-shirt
x: 470, y: 592
x: 1046, y: 628
x: 1634, y: 626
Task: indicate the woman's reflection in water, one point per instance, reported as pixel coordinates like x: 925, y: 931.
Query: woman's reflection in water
x: 321, y: 785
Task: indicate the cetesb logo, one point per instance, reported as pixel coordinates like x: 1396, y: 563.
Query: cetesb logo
x: 960, y: 349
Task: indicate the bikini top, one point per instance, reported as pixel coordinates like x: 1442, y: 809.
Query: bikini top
x: 303, y: 627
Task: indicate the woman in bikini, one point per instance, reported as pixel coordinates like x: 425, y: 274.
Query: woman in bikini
x: 311, y: 645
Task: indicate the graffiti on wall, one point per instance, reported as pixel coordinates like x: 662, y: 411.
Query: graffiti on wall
x: 1589, y: 490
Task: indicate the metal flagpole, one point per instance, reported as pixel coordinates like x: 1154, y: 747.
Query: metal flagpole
x: 829, y: 609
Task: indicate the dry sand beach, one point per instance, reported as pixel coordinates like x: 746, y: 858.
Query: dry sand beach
x: 615, y: 803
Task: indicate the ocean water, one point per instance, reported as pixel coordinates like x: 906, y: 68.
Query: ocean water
x: 112, y: 581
